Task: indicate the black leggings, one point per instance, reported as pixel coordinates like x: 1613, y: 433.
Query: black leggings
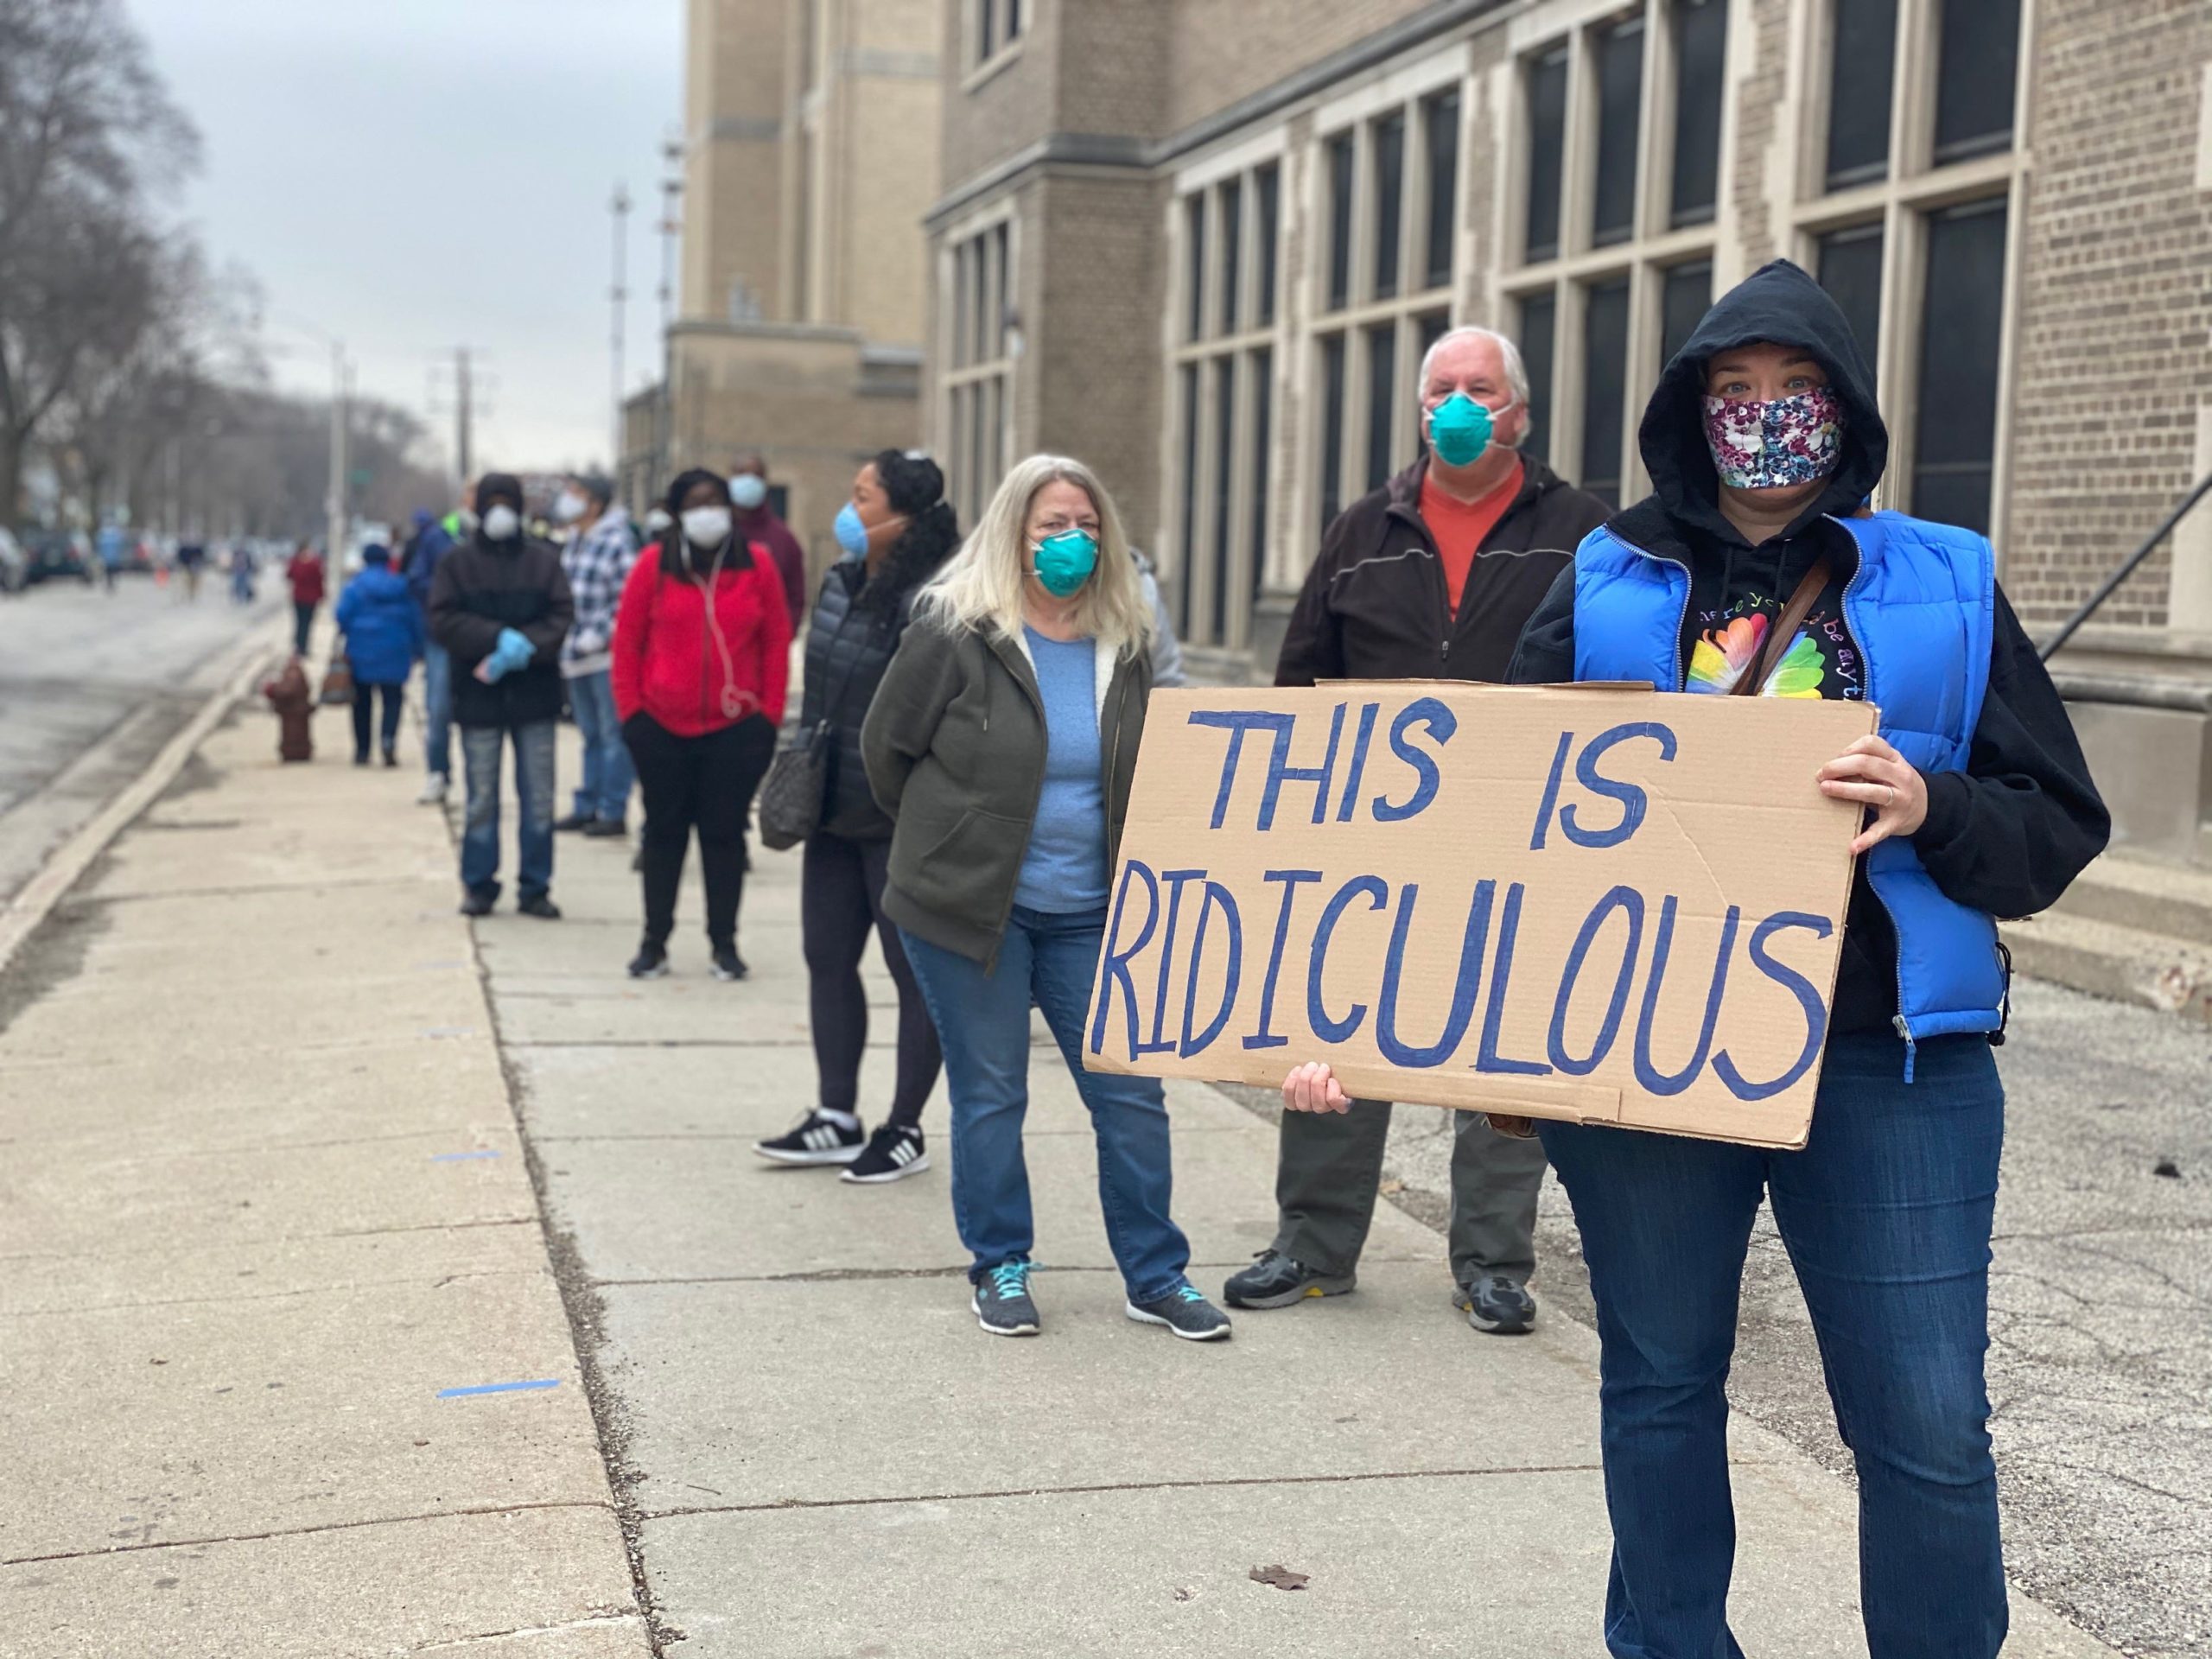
x: 364, y: 695
x: 702, y: 783
x: 840, y: 899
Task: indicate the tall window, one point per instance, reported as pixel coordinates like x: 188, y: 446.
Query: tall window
x: 1547, y: 151
x: 1439, y: 128
x: 1332, y: 427
x: 1685, y: 295
x: 977, y: 387
x: 1927, y: 232
x: 997, y: 25
x: 1605, y: 377
x: 1620, y: 109
x: 1340, y: 204
x: 1382, y: 401
x: 1388, y: 148
x: 1224, y: 400
x: 1700, y: 46
x: 1538, y: 323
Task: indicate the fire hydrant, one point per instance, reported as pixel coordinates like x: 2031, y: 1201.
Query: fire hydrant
x: 289, y: 696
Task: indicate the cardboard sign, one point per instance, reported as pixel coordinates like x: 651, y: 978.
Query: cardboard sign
x: 1598, y: 904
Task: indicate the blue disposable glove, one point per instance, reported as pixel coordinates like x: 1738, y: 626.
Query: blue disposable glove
x: 513, y: 652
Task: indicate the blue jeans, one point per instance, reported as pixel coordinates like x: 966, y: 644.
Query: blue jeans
x: 1886, y: 1216
x: 605, y: 791
x: 983, y: 1019
x: 437, y: 710
x: 481, y: 747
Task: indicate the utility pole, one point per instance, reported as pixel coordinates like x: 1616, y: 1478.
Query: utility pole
x: 671, y: 226
x: 462, y: 415
x: 620, y: 208
x: 334, y: 538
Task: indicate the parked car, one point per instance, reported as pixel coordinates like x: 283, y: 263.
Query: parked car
x: 60, y: 553
x: 15, y: 563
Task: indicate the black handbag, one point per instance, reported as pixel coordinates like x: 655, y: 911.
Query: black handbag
x: 793, y: 793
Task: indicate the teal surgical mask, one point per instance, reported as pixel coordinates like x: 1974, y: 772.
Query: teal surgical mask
x: 1460, y: 429
x: 1065, y: 560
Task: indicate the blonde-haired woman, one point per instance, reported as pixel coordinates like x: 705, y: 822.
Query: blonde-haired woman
x: 1003, y: 742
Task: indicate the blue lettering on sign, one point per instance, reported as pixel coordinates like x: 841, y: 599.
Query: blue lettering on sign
x: 1500, y: 974
x: 1115, y: 970
x: 1545, y: 807
x: 1236, y: 722
x: 1292, y: 881
x: 1359, y: 742
x: 1632, y: 801
x: 1329, y: 1030
x: 1281, y: 771
x: 1650, y: 1077
x: 1441, y: 723
x: 1809, y: 1002
x: 1216, y: 898
x: 1630, y: 903
x: 1176, y: 881
x: 1472, y: 943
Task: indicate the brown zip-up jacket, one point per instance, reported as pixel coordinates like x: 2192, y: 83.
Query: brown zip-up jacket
x: 953, y: 743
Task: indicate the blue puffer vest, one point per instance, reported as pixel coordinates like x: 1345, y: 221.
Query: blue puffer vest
x: 1922, y: 608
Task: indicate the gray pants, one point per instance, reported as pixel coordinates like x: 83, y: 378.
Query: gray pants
x: 1330, y: 1162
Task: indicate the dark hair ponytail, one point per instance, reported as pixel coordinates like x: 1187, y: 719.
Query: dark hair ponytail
x: 913, y: 484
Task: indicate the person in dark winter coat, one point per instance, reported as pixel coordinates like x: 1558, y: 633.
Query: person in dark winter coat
x: 384, y: 637
x: 1430, y: 577
x: 1764, y: 444
x: 906, y: 530
x: 701, y: 662
x: 500, y: 606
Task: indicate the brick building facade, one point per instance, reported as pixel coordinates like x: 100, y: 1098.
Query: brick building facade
x: 1202, y: 243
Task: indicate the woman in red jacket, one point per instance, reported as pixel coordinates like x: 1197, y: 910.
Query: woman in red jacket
x: 701, y: 655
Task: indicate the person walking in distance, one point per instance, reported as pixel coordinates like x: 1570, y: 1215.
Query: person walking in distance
x: 305, y: 575
x: 600, y: 553
x: 758, y: 523
x: 896, y: 531
x: 702, y: 660
x: 1003, y: 742
x: 384, y: 636
x: 1430, y: 577
x: 499, y: 605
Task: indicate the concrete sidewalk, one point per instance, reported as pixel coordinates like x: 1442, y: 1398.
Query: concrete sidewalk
x: 819, y: 1453
x: 262, y: 1204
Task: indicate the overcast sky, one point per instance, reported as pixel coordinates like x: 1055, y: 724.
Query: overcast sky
x: 417, y: 175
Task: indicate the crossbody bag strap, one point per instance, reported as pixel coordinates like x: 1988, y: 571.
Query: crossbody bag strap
x: 1807, y: 594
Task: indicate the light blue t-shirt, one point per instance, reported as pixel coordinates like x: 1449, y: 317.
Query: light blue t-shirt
x: 1064, y: 868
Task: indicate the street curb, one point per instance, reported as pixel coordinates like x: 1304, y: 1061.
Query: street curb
x: 36, y: 897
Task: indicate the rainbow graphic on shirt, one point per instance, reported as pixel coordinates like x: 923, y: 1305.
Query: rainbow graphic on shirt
x: 1724, y: 655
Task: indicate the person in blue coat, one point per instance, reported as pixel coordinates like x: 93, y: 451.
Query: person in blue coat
x: 1764, y: 445
x: 382, y: 626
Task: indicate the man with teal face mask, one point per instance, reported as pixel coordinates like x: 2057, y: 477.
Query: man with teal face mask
x: 1429, y: 577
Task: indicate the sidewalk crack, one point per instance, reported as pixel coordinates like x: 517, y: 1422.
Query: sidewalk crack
x: 298, y: 1532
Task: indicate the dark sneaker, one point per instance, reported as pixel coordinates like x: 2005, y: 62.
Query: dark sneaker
x: 728, y: 964
x: 1001, y: 1301
x: 1498, y: 1306
x: 391, y: 758
x: 893, y: 1152
x: 607, y: 829
x: 649, y: 962
x: 479, y: 903
x: 574, y: 821
x: 1187, y: 1312
x: 539, y: 905
x: 819, y: 1140
x: 362, y: 759
x: 1277, y: 1281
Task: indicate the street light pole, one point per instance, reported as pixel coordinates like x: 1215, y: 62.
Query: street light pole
x: 620, y: 209
x: 334, y: 550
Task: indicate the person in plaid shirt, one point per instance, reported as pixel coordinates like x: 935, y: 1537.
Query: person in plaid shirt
x: 597, y: 558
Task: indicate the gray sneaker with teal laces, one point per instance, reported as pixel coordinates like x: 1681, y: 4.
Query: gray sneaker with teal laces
x: 1185, y: 1312
x: 1001, y: 1301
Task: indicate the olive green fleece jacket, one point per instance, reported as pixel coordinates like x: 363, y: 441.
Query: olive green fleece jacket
x: 953, y: 743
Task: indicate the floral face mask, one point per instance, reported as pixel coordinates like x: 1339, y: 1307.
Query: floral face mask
x: 1770, y: 444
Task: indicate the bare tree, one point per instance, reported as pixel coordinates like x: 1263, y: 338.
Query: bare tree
x: 86, y: 129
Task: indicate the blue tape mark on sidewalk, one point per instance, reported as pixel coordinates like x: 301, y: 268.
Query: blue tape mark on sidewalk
x: 499, y: 1388
x: 462, y: 1157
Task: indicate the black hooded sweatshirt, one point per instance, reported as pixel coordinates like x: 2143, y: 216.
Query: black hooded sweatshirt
x: 2006, y: 834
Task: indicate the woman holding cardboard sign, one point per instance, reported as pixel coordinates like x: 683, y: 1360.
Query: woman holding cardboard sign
x: 1003, y: 742
x: 1753, y: 568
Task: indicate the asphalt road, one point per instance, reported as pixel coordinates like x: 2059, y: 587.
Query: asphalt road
x: 92, y: 685
x: 2100, y: 1327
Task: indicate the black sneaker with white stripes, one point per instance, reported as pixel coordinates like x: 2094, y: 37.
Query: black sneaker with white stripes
x: 893, y: 1152
x: 817, y: 1139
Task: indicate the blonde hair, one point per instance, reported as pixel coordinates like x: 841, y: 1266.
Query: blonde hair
x: 981, y: 587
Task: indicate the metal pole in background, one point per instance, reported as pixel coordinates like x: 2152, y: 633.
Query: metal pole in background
x: 334, y: 537
x: 671, y: 226
x: 620, y: 208
x: 462, y: 435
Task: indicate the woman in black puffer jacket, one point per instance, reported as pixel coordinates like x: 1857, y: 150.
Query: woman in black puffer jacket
x: 895, y: 532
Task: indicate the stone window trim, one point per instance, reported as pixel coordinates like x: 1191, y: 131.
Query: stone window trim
x: 1250, y: 339
x: 1007, y: 32
x: 1915, y: 187
x: 978, y: 269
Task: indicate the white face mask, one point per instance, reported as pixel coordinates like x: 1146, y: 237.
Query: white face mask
x: 748, y: 490
x: 569, y: 507
x: 502, y: 523
x: 706, y: 526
